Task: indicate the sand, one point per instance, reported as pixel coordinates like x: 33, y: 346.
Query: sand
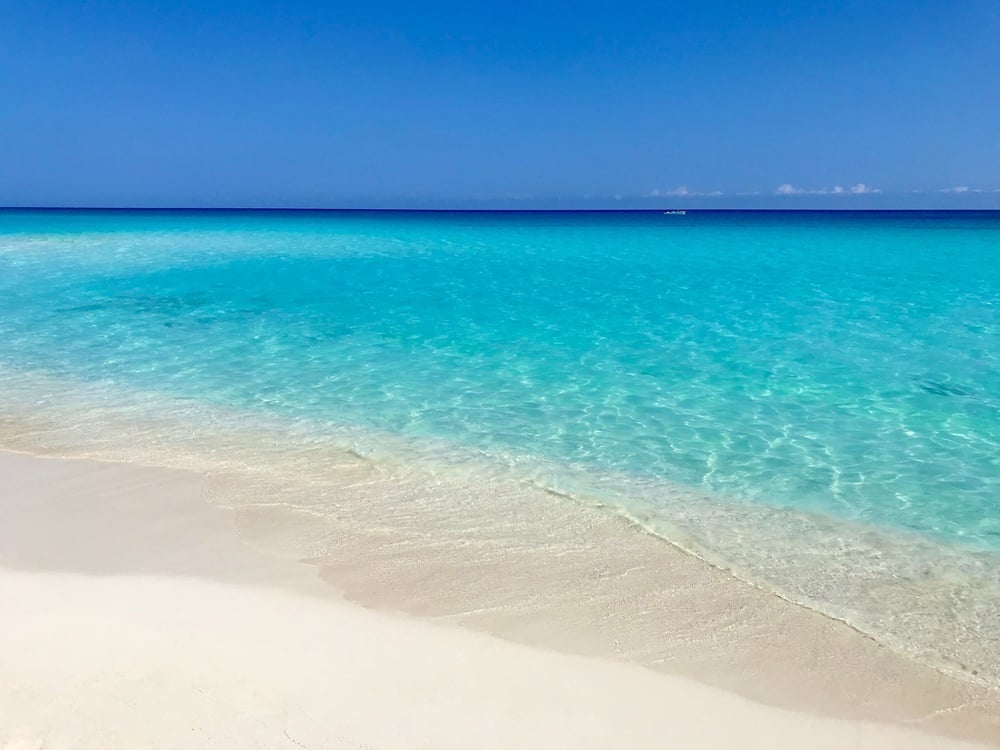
x: 135, y: 615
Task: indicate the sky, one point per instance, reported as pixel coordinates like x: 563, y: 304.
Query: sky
x: 784, y: 104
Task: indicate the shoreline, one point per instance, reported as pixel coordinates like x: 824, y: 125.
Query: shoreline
x: 301, y: 491
x: 82, y: 539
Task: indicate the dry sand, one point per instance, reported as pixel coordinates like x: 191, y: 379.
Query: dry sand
x: 135, y: 616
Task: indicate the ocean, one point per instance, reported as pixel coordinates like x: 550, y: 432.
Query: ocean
x: 810, y: 400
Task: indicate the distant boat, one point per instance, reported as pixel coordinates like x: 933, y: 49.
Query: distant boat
x: 674, y: 213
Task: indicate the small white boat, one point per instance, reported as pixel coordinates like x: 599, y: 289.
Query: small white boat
x: 674, y: 213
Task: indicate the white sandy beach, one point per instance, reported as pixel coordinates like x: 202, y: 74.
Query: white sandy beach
x: 134, y: 616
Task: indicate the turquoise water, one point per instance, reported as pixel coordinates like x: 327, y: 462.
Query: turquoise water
x: 844, y: 365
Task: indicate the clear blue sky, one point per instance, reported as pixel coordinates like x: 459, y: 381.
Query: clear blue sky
x: 521, y: 104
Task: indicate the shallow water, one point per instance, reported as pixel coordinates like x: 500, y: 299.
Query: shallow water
x: 811, y: 399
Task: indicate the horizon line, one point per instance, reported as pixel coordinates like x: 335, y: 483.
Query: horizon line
x: 403, y: 209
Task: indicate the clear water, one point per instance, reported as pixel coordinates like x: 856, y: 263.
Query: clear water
x: 844, y: 366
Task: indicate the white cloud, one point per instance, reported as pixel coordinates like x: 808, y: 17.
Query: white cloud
x: 683, y: 192
x: 959, y: 189
x: 859, y: 189
x: 677, y: 191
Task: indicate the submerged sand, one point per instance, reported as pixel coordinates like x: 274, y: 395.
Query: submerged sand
x: 137, y: 615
